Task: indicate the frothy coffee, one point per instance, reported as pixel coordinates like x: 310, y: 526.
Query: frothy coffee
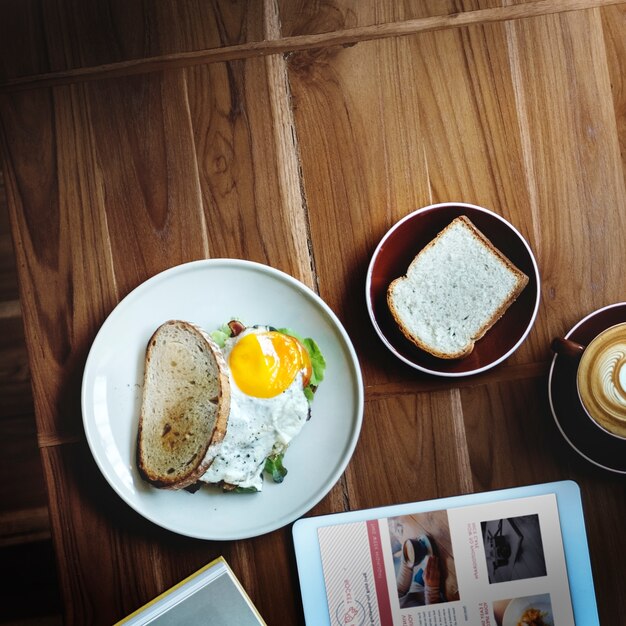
x: 602, y: 380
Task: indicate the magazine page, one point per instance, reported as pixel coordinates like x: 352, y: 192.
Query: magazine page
x: 494, y: 564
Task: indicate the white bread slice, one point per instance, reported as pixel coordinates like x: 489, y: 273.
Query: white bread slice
x: 185, y: 406
x: 455, y: 289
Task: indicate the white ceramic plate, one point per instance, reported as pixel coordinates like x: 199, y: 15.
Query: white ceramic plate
x: 515, y: 609
x: 209, y: 293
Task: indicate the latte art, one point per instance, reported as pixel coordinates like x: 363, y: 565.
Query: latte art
x: 621, y: 375
x: 611, y: 371
x: 602, y: 380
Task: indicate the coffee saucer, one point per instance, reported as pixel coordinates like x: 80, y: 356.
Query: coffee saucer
x: 590, y: 441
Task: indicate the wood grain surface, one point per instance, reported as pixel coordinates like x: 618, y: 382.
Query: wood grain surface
x: 138, y: 136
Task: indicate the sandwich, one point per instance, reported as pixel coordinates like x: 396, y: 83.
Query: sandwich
x: 185, y: 405
x: 454, y: 290
x: 261, y: 378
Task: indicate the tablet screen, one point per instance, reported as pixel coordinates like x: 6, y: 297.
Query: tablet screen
x: 496, y: 559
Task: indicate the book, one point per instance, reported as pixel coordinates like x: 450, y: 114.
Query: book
x: 486, y: 559
x: 212, y: 595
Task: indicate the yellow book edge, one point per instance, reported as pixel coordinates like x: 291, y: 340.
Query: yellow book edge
x: 219, y: 560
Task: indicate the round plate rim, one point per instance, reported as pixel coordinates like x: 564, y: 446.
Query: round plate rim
x: 381, y: 334
x: 355, y: 374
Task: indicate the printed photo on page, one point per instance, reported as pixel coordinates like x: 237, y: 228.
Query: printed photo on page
x: 495, y: 564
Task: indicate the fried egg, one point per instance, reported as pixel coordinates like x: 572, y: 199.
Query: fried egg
x: 268, y: 371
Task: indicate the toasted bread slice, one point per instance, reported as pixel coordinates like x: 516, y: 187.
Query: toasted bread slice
x: 454, y: 291
x: 185, y: 405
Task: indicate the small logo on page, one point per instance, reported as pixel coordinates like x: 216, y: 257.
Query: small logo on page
x: 354, y: 615
x: 350, y: 612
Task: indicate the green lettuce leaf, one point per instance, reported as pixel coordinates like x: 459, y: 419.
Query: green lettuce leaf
x: 274, y: 466
x: 318, y: 363
x: 245, y: 490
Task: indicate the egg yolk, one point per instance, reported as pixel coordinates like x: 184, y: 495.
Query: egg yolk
x: 265, y: 364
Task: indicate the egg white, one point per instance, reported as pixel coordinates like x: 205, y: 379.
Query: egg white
x: 257, y: 428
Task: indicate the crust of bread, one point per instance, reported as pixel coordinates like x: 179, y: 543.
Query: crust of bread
x: 161, y: 414
x: 521, y: 282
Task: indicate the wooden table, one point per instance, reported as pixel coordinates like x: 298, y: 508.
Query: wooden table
x: 138, y: 136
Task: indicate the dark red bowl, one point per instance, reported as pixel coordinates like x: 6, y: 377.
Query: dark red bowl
x: 397, y: 249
